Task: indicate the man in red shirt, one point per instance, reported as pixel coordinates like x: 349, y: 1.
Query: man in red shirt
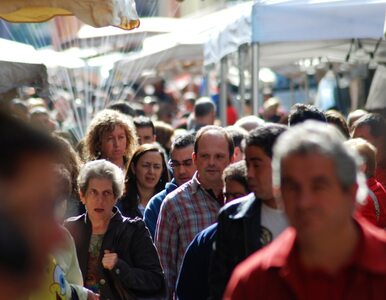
x: 326, y: 254
x: 374, y: 208
x: 372, y: 128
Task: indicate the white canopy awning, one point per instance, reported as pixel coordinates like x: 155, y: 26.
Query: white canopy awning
x: 149, y: 26
x: 306, y: 27
x: 20, y: 65
x: 185, y: 42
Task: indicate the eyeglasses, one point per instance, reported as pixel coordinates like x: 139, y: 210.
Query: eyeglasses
x: 176, y: 164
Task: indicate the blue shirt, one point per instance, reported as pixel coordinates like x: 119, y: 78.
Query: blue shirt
x: 193, y: 280
x: 153, y: 208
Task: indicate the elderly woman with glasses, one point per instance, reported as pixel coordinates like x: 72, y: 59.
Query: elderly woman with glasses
x: 116, y: 255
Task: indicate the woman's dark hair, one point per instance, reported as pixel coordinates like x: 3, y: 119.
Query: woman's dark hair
x: 130, y: 199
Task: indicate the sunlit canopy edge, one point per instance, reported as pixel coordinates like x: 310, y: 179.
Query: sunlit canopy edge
x: 98, y: 14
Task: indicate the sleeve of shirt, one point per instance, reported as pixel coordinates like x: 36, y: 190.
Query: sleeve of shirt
x: 150, y: 216
x: 72, y: 269
x: 167, y: 242
x: 221, y: 262
x: 184, y: 287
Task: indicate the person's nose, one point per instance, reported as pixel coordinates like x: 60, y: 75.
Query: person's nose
x: 115, y: 143
x: 250, y: 173
x: 151, y: 169
x: 182, y: 169
x: 304, y: 198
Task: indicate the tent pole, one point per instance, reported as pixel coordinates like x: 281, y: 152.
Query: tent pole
x: 306, y: 89
x: 242, y: 57
x: 223, y: 91
x: 255, y: 78
x: 206, y: 78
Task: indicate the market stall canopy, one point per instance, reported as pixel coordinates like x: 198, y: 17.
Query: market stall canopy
x: 98, y: 13
x: 307, y: 27
x: 149, y: 26
x: 20, y: 66
x: 185, y: 44
x: 54, y: 59
x: 110, y: 38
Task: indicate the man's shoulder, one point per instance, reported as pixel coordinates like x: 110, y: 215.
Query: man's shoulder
x: 207, y: 234
x: 275, y: 255
x: 180, y: 192
x: 239, y: 207
x: 373, y: 255
x: 157, y: 198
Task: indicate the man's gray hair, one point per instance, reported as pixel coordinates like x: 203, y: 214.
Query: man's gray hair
x: 101, y: 169
x: 313, y: 137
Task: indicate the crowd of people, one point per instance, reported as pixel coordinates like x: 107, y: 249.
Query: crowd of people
x: 278, y: 207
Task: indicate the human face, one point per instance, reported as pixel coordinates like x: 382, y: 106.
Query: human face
x: 315, y: 202
x: 182, y: 164
x: 233, y: 190
x: 259, y: 172
x: 114, y: 144
x: 99, y: 199
x: 145, y: 135
x: 148, y: 170
x: 211, y: 158
x: 364, y: 133
x: 44, y: 122
x: 31, y: 199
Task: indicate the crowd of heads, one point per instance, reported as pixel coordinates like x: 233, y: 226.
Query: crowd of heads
x: 140, y: 155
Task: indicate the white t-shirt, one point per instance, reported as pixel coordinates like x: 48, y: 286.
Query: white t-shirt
x: 273, y: 222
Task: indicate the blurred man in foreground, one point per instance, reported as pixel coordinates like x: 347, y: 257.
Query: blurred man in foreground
x: 28, y: 228
x: 326, y: 254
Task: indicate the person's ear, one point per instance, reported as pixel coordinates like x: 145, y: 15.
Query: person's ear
x: 82, y: 197
x: 194, y: 158
x: 236, y: 152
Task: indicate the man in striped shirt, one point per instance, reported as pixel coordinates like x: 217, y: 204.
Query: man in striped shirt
x: 194, y: 205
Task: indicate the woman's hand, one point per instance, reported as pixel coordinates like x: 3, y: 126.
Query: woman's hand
x: 109, y: 260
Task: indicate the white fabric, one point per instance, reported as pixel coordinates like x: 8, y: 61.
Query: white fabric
x: 274, y: 221
x: 14, y: 75
x: 377, y: 94
x: 98, y: 13
x: 20, y: 65
x: 186, y: 42
x: 310, y: 20
x: 290, y: 22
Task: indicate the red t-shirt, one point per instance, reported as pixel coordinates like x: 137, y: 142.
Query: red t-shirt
x: 231, y: 115
x: 375, y: 214
x: 276, y: 273
x: 380, y: 175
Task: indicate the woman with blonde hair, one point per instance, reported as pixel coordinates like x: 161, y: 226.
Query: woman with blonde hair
x: 111, y: 136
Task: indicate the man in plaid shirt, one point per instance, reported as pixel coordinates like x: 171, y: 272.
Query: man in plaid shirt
x: 194, y: 205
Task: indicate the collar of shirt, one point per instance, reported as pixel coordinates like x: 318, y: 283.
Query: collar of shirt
x: 219, y: 198
x: 196, y: 185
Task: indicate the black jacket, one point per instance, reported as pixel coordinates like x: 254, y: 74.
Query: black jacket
x: 138, y: 270
x: 237, y: 237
